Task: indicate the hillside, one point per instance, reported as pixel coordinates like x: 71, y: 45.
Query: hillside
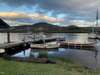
x: 46, y: 27
x: 38, y: 27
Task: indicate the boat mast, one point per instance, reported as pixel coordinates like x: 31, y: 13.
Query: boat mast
x: 96, y: 20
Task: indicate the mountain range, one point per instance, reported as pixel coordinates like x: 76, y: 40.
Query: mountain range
x: 46, y: 27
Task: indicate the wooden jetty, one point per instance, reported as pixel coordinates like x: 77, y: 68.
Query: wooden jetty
x: 11, y: 48
x: 77, y: 45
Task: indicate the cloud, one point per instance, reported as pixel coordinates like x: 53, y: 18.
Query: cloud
x: 69, y: 5
x: 12, y: 15
x: 72, y: 8
x: 18, y: 2
x: 81, y: 23
x: 45, y: 17
x: 28, y: 18
x: 84, y: 10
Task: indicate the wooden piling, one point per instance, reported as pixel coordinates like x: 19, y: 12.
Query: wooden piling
x: 8, y: 37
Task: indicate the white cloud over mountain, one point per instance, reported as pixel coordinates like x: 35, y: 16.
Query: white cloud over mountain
x: 50, y: 10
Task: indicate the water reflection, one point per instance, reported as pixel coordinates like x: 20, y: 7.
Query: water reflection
x: 86, y: 58
x: 34, y: 52
x: 25, y: 53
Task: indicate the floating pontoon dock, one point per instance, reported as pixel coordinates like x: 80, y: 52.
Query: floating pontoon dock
x: 74, y: 45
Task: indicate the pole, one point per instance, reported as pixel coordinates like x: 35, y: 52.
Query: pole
x: 97, y: 20
x: 8, y: 37
x: 97, y: 17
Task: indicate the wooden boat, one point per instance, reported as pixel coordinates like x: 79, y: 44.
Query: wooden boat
x: 41, y: 41
x: 47, y: 43
x: 50, y: 45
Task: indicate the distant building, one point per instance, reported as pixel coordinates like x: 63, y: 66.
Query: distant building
x: 3, y: 24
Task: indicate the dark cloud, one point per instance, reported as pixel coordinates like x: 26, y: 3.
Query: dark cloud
x: 64, y: 5
x: 67, y: 6
x: 18, y: 2
x: 74, y: 9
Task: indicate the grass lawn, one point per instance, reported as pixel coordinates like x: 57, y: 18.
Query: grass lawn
x: 61, y: 68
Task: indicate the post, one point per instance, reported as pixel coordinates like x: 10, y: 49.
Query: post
x: 68, y: 45
x: 75, y: 46
x: 8, y: 37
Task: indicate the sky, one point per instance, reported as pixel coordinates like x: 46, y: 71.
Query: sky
x: 58, y: 12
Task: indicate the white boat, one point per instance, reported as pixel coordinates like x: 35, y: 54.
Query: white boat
x: 50, y: 45
x: 47, y: 43
x: 93, y: 34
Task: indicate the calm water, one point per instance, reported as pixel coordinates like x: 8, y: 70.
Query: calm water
x: 86, y: 58
x: 17, y: 37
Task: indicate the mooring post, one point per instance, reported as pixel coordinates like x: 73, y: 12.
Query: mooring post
x: 75, y: 45
x: 68, y: 45
x: 8, y: 37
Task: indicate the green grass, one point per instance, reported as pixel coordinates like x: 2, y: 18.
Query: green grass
x: 61, y: 68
